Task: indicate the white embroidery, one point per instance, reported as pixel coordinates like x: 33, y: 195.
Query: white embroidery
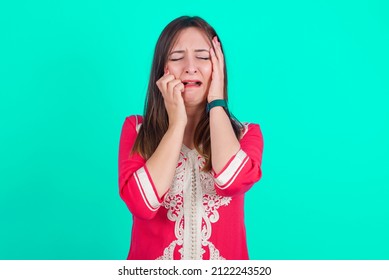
x: 146, y: 189
x: 235, y: 166
x: 233, y: 169
x: 211, y: 202
x: 193, y: 239
x: 168, y: 253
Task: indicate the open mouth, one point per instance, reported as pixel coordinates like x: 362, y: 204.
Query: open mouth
x: 191, y: 83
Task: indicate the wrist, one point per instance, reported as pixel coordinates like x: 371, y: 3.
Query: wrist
x: 177, y: 126
x: 214, y: 97
x: 216, y: 103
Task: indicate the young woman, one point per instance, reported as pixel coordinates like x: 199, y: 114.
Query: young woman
x: 185, y: 166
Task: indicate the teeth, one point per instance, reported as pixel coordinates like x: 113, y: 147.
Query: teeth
x: 192, y: 83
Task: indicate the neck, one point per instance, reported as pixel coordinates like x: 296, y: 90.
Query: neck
x: 194, y: 115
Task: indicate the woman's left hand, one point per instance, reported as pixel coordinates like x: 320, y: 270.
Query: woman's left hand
x: 216, y: 89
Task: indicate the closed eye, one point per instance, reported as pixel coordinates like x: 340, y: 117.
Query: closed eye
x: 176, y: 59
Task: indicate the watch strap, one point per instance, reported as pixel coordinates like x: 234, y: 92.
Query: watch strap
x: 215, y: 103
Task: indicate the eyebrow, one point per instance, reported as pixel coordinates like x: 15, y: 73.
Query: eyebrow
x: 198, y: 50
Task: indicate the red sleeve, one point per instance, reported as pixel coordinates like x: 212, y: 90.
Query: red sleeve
x: 136, y: 187
x: 244, y: 168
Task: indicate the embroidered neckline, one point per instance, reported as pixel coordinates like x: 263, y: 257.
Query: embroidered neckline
x: 193, y: 202
x: 186, y: 150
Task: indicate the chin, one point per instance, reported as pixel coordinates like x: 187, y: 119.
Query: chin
x: 194, y: 98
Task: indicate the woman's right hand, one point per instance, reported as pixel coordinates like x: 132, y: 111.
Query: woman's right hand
x: 171, y: 89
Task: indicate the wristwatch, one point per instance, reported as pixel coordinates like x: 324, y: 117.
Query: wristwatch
x: 215, y: 103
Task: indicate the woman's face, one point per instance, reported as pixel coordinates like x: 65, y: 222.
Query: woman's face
x: 190, y: 62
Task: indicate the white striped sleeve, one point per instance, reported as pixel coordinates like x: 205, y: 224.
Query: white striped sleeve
x: 146, y: 189
x: 228, y: 175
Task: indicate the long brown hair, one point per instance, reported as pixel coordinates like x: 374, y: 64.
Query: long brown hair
x: 156, y: 122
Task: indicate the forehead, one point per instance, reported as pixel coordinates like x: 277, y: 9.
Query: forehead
x: 191, y: 37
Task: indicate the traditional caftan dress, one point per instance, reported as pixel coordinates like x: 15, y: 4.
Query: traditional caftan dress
x: 202, y: 214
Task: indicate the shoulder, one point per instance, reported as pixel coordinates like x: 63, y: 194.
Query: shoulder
x: 251, y: 140
x: 133, y: 122
x: 250, y: 129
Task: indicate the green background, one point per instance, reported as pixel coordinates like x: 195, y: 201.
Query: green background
x: 313, y: 74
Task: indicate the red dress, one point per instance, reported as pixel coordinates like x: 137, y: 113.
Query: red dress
x: 202, y: 214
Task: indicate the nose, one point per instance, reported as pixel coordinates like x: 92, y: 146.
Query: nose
x: 190, y: 68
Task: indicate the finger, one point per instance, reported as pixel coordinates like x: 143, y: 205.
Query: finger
x: 166, y: 76
x: 179, y: 88
x: 219, y: 63
x: 172, y: 84
x: 218, y: 48
x: 213, y: 55
x: 166, y: 73
x: 177, y: 93
x: 216, y: 66
x: 213, y: 50
x: 163, y: 81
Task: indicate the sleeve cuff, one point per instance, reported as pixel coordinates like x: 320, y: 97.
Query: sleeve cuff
x: 147, y: 189
x: 227, y: 176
